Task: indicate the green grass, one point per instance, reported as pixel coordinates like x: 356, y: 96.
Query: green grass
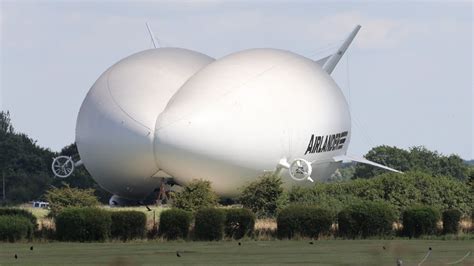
x: 325, y: 252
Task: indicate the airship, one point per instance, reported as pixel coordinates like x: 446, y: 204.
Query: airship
x: 176, y: 114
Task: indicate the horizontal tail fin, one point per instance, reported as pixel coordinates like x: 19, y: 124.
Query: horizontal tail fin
x: 364, y: 161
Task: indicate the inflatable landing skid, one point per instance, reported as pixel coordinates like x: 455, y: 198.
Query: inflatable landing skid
x: 164, y: 189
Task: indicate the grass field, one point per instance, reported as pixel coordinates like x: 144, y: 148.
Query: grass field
x: 326, y: 252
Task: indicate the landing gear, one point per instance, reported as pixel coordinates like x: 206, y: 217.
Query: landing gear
x: 164, y: 192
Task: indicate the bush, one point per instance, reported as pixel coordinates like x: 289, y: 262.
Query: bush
x: 20, y: 212
x: 239, y: 223
x: 128, y: 225
x: 174, y: 224
x: 307, y: 221
x: 83, y: 224
x: 451, y: 220
x: 365, y: 219
x: 65, y: 197
x: 196, y: 195
x: 15, y: 227
x: 419, y: 221
x: 209, y: 224
x: 262, y: 196
x: 400, y: 191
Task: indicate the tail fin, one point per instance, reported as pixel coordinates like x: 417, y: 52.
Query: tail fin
x: 361, y: 159
x: 330, y: 63
x: 155, y: 43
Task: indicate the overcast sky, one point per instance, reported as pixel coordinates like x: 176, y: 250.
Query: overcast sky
x: 408, y: 76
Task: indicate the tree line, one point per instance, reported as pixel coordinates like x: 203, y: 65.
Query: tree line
x: 26, y: 168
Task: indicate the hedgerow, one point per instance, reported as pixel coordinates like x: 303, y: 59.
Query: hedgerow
x: 209, y: 224
x: 366, y: 219
x: 399, y: 190
x: 174, y: 223
x: 83, y: 224
x: 128, y: 225
x: 19, y: 212
x: 451, y: 219
x: 420, y: 220
x: 14, y: 228
x: 239, y: 223
x: 306, y: 221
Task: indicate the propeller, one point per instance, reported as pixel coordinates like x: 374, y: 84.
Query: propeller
x: 63, y: 166
x: 300, y: 170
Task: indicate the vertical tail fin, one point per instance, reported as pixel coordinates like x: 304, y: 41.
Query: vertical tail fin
x: 155, y: 43
x: 332, y: 61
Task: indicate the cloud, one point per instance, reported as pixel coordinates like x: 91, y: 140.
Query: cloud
x: 376, y: 33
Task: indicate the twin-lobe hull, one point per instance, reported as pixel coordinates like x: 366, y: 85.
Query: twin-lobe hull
x: 227, y: 121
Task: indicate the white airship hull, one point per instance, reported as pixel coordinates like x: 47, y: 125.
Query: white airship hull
x: 179, y: 113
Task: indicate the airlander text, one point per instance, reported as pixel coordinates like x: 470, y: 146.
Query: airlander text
x: 331, y: 142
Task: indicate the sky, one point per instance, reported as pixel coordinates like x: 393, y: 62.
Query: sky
x: 408, y: 76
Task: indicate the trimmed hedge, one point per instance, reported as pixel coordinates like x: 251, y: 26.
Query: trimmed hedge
x: 239, y: 223
x: 20, y: 212
x: 83, y: 224
x: 15, y: 227
x: 419, y: 221
x: 365, y: 219
x: 128, y: 225
x: 174, y: 224
x: 209, y: 224
x: 306, y: 221
x: 451, y: 220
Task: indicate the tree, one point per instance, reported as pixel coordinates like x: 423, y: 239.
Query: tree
x: 66, y: 196
x: 196, y: 195
x: 386, y: 155
x: 262, y: 196
x: 26, y: 166
x: 5, y: 123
